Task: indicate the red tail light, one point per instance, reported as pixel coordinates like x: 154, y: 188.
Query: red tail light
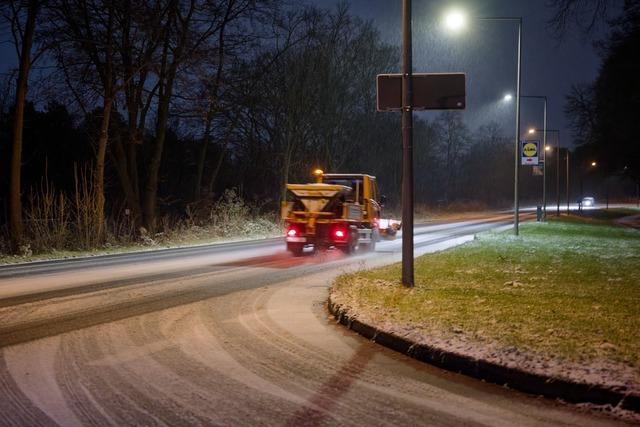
x: 339, y: 233
x: 292, y: 232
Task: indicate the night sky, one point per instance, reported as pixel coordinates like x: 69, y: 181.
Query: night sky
x: 486, y: 51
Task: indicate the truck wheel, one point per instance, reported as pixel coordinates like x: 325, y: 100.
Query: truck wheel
x: 295, y: 248
x: 351, y: 246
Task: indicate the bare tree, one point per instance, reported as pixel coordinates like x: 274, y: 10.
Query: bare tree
x: 580, y: 109
x: 586, y: 14
x: 454, y: 141
x: 22, y: 19
x: 84, y: 31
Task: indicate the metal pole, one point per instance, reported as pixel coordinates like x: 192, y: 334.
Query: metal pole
x: 558, y: 174
x: 544, y: 165
x: 567, y: 181
x: 407, y: 148
x: 516, y: 203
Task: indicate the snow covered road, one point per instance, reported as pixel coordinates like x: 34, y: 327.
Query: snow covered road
x: 226, y: 335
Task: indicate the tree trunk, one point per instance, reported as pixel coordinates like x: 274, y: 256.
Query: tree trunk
x: 216, y: 170
x: 15, y: 186
x: 98, y: 178
x: 151, y: 186
x: 127, y: 182
x: 166, y: 77
x: 202, y: 157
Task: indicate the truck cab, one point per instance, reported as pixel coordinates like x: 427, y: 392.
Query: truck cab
x: 365, y: 192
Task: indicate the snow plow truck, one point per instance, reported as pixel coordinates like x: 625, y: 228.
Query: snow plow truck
x: 338, y: 210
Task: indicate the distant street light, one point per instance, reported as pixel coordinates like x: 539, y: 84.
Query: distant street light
x: 531, y: 130
x: 594, y: 164
x: 456, y: 20
x: 508, y: 97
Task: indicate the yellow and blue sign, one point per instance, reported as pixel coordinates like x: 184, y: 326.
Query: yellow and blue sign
x: 529, y: 150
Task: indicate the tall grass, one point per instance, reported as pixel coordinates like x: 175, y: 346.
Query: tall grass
x: 47, y: 219
x: 87, y: 221
x: 56, y: 221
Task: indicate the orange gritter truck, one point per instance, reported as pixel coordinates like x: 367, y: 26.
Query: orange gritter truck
x: 338, y: 210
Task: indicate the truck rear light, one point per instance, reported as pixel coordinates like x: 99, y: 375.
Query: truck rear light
x: 339, y: 234
x: 292, y: 232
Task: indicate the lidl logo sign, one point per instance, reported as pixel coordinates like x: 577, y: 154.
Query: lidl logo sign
x: 530, y: 152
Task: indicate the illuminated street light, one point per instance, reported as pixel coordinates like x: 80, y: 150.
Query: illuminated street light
x: 455, y: 20
x: 547, y: 148
x: 594, y: 164
x: 532, y: 131
x: 508, y: 97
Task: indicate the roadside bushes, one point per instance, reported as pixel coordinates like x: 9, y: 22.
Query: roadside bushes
x: 230, y: 215
x: 55, y: 221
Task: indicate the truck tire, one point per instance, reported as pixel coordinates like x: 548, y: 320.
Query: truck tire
x: 352, y: 244
x: 295, y: 248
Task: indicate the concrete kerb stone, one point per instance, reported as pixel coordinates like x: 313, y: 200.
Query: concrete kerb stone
x: 517, y: 379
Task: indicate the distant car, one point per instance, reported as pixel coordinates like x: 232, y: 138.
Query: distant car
x: 588, y: 201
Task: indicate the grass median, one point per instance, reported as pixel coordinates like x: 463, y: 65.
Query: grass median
x: 568, y: 288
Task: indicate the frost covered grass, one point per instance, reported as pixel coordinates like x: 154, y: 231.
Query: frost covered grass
x: 567, y: 288
x: 226, y: 219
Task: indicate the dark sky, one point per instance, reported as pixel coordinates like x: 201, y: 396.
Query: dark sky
x: 486, y: 51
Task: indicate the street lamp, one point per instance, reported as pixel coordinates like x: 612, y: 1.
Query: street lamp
x: 548, y: 148
x: 544, y: 144
x: 456, y: 20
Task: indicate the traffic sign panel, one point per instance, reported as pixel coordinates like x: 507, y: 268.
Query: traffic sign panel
x: 431, y: 91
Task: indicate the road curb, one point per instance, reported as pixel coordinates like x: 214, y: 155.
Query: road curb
x: 517, y: 379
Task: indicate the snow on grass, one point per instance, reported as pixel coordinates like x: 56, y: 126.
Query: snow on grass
x: 567, y: 289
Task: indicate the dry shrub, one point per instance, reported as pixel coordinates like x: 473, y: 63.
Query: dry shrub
x: 56, y: 221
x: 87, y: 221
x: 47, y: 219
x: 230, y: 214
x: 120, y: 229
x: 227, y: 216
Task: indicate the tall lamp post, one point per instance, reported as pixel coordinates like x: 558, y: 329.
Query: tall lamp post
x: 567, y: 181
x: 557, y: 164
x: 455, y: 20
x: 407, y: 148
x: 544, y: 145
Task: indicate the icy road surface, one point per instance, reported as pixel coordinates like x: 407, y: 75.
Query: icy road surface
x: 233, y: 334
